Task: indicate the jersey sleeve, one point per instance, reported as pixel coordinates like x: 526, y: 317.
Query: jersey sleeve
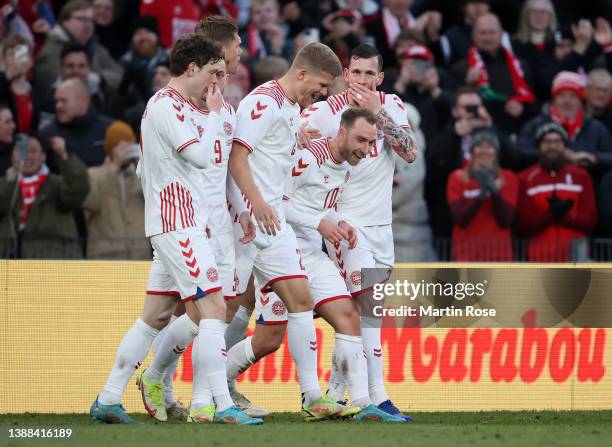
x: 397, y: 111
x: 299, y: 175
x: 254, y: 119
x: 174, y: 126
x: 318, y: 116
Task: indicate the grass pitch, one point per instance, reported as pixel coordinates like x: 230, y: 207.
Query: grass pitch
x: 577, y: 428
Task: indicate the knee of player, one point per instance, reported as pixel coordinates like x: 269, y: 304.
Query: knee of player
x: 263, y: 346
x: 159, y: 320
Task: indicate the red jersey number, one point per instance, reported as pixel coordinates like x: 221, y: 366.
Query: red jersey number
x: 331, y: 198
x: 218, y: 154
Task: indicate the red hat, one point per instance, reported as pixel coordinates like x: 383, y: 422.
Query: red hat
x: 568, y: 80
x: 420, y: 52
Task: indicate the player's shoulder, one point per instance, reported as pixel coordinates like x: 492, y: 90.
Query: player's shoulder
x: 338, y: 103
x: 318, y: 108
x: 168, y: 98
x: 320, y: 151
x: 391, y: 100
x: 268, y: 94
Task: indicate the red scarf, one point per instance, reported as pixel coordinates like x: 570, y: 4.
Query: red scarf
x: 255, y: 43
x: 522, y: 92
x: 573, y: 126
x: 30, y: 186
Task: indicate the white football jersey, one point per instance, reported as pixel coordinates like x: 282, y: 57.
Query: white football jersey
x: 267, y: 125
x: 313, y: 189
x: 172, y: 187
x: 216, y: 130
x: 366, y: 199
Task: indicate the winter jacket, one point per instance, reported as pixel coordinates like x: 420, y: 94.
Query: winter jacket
x: 551, y: 238
x: 114, y: 212
x: 85, y: 137
x: 47, y: 63
x: 50, y: 231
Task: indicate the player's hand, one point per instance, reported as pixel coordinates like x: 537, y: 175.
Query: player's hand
x: 307, y: 134
x: 364, y: 97
x: 214, y: 99
x: 248, y: 227
x: 351, y: 233
x: 332, y: 232
x: 266, y: 217
x: 58, y: 144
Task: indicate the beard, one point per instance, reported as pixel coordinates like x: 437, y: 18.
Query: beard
x: 552, y: 162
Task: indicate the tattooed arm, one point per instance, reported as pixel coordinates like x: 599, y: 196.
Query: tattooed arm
x: 401, y: 139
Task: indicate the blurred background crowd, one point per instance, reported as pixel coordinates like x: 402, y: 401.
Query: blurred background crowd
x: 510, y: 100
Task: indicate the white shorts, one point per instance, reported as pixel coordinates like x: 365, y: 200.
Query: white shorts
x: 183, y: 265
x: 374, y: 250
x: 225, y: 257
x: 325, y: 284
x: 268, y: 258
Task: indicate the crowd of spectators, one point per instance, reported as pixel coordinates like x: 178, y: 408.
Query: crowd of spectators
x: 510, y: 100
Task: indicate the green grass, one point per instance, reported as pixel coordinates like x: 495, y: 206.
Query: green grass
x: 556, y: 429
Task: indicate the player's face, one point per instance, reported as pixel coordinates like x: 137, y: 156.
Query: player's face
x: 313, y: 87
x: 208, y: 75
x: 233, y: 50
x: 364, y: 72
x: 358, y: 141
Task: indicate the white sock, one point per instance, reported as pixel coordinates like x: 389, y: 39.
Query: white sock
x: 239, y: 359
x: 169, y: 383
x: 373, y: 350
x: 212, y: 358
x: 348, y: 358
x: 302, y: 340
x: 131, y: 352
x: 202, y: 397
x: 236, y: 330
x: 337, y: 382
x: 162, y: 334
x: 177, y: 338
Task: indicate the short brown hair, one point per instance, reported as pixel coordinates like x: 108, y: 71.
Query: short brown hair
x: 464, y: 90
x: 317, y: 56
x: 14, y: 40
x: 217, y: 28
x: 365, y: 51
x: 193, y: 48
x: 353, y: 114
x: 71, y: 7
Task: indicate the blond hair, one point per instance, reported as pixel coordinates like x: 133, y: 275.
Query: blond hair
x: 318, y: 57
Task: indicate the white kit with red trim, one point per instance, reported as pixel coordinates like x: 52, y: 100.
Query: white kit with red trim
x: 366, y: 199
x: 172, y: 186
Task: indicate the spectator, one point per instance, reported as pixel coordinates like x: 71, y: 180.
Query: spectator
x: 598, y: 96
x: 233, y: 94
x: 109, y: 32
x: 42, y: 215
x: 343, y: 33
x: 482, y: 200
x: 77, y: 64
x: 139, y: 65
x: 7, y: 138
x: 12, y: 23
x: 502, y: 80
x: 174, y: 18
x: 161, y: 76
x: 457, y: 40
x: 78, y: 123
x: 75, y: 24
x: 269, y: 68
x: 589, y: 142
x: 242, y: 78
x: 411, y: 231
x: 537, y: 39
x: 556, y: 200
x: 14, y: 84
x: 450, y: 150
x: 114, y: 208
x: 265, y: 34
x: 418, y: 84
x: 394, y: 18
